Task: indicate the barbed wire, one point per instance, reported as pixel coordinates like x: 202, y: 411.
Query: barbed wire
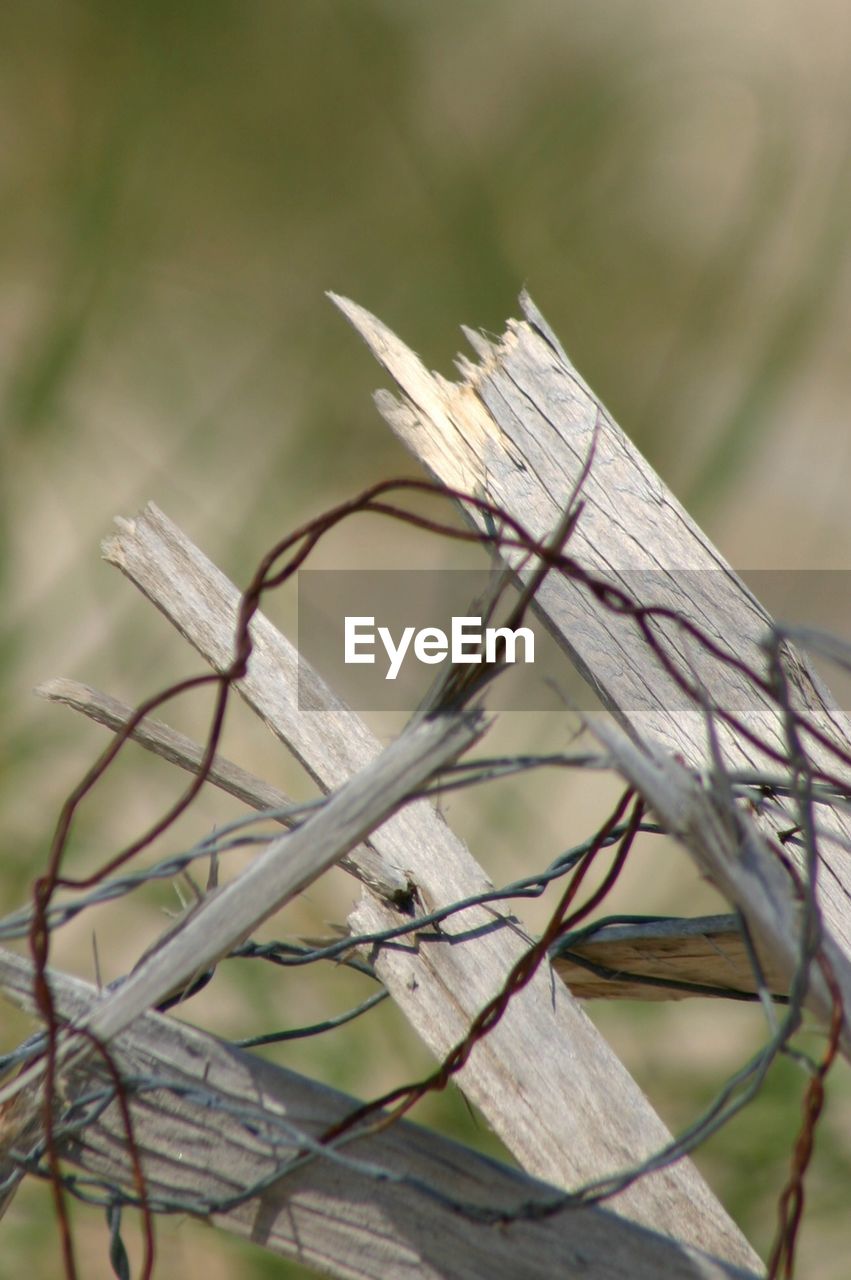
x: 801, y: 783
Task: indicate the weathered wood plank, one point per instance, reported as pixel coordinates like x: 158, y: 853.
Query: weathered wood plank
x: 223, y: 1121
x: 518, y: 429
x: 545, y: 1079
x: 227, y: 915
x: 736, y: 857
x: 708, y: 953
x: 160, y: 739
x: 287, y: 866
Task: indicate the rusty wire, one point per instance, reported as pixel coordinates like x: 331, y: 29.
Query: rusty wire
x: 806, y: 785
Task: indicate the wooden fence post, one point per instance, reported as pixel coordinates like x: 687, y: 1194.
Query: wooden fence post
x: 519, y: 429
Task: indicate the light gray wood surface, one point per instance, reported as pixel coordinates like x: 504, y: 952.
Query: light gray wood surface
x: 705, y: 953
x: 547, y: 1082
x: 231, y: 1120
x: 518, y: 429
x: 708, y: 953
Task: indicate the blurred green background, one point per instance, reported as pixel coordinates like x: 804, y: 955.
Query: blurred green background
x: 181, y: 184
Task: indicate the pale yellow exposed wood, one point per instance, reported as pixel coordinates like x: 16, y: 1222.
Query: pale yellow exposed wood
x: 517, y: 429
x: 545, y: 421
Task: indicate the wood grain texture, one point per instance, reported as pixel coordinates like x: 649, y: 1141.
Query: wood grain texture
x: 222, y: 1120
x: 518, y: 428
x: 160, y: 739
x: 637, y: 961
x: 228, y: 915
x: 545, y: 1079
x: 707, y: 955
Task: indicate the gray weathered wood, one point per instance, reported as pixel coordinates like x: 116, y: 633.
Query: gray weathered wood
x: 518, y: 430
x: 292, y: 862
x: 161, y: 740
x: 707, y: 952
x: 237, y: 1119
x: 156, y: 736
x: 287, y: 866
x: 735, y: 856
x: 545, y: 1079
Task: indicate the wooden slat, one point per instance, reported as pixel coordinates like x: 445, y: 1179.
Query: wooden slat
x: 236, y: 1119
x: 160, y: 739
x: 667, y: 960
x: 707, y: 955
x: 545, y: 1079
x: 518, y: 429
x: 286, y: 867
x: 227, y: 915
x: 663, y: 960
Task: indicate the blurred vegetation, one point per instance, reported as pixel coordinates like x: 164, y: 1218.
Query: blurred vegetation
x: 181, y: 184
